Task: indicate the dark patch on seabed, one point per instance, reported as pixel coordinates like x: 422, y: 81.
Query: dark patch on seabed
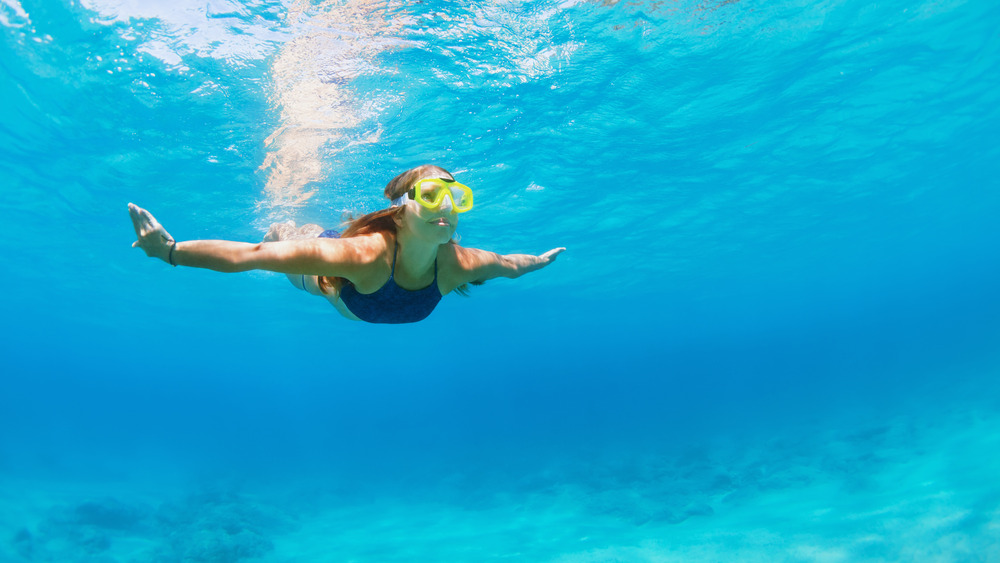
x: 210, y: 527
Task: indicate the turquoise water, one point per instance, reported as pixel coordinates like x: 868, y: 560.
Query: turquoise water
x: 774, y: 336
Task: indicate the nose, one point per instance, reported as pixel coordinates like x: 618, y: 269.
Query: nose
x: 446, y: 203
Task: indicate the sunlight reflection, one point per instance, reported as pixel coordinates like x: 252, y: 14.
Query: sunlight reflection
x: 12, y: 14
x: 335, y: 43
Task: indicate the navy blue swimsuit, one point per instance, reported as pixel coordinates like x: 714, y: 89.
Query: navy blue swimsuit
x: 390, y: 303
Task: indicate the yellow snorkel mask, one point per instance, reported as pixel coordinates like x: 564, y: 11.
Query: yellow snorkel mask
x: 432, y: 193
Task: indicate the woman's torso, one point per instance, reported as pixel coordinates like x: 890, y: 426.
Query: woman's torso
x: 389, y: 291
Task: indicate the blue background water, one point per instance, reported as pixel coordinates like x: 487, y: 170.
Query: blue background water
x: 774, y: 335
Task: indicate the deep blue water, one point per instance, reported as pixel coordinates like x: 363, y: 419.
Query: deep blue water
x: 774, y: 336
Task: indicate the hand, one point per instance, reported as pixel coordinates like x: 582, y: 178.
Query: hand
x: 153, y: 239
x: 550, y: 256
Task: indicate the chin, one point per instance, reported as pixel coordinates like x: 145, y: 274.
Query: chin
x: 446, y: 238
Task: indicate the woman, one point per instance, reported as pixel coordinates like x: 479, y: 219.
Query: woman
x: 390, y: 266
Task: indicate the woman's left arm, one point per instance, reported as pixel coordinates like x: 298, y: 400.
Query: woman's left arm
x: 481, y: 265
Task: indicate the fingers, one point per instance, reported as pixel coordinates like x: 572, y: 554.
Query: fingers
x: 138, y: 221
x: 138, y: 214
x: 133, y: 213
x: 146, y: 228
x: 141, y: 217
x: 551, y: 255
x: 147, y: 220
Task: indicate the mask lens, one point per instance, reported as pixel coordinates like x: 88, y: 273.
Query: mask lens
x: 458, y: 195
x: 428, y: 192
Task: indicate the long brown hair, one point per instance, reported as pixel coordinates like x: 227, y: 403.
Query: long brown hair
x: 384, y: 220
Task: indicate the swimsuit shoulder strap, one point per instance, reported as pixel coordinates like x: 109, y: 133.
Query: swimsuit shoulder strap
x: 395, y: 245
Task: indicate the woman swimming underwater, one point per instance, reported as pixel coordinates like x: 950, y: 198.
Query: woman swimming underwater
x: 367, y: 271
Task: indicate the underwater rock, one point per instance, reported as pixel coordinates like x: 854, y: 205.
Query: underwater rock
x: 108, y: 514
x: 218, y: 527
x: 699, y: 509
x: 218, y: 545
x: 86, y: 528
x: 23, y: 543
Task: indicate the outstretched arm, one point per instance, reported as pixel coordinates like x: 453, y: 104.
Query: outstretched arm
x: 317, y: 256
x: 482, y: 265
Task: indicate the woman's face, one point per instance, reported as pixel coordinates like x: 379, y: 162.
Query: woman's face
x: 436, y: 226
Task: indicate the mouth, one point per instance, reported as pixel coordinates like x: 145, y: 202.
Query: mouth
x: 441, y: 222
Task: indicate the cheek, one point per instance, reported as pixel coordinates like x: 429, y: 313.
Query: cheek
x: 418, y: 212
x: 411, y: 217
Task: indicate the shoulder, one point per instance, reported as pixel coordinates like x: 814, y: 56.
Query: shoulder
x: 361, y: 249
x: 458, y: 265
x: 458, y: 258
x: 476, y: 259
x: 360, y: 259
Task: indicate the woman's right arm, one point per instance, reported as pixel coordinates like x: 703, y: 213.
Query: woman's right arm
x: 328, y: 257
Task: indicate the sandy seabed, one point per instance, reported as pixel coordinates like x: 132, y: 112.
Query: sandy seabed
x: 895, y: 490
